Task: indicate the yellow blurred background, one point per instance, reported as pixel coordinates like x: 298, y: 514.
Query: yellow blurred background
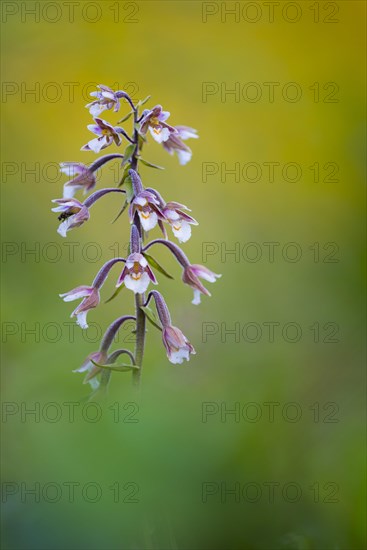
x: 173, y: 468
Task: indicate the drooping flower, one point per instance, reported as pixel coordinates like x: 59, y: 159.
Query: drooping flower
x: 191, y: 276
x: 72, y: 214
x: 177, y: 346
x: 107, y: 134
x: 154, y: 120
x: 92, y: 370
x: 147, y: 206
x: 82, y: 178
x: 185, y: 132
x: 136, y: 274
x: 179, y: 220
x: 106, y: 99
x: 174, y: 143
x: 90, y: 295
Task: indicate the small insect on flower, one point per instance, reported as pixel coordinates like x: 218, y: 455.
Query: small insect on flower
x: 136, y: 274
x: 72, y: 214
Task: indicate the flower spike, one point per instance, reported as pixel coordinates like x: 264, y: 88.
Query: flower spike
x: 146, y: 209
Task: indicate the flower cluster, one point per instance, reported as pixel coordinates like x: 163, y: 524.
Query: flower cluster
x: 147, y: 210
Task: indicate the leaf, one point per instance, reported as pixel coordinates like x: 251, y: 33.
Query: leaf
x: 156, y: 265
x: 125, y: 117
x: 125, y: 174
x: 128, y: 153
x: 117, y: 291
x: 123, y: 367
x: 142, y: 139
x: 143, y: 101
x: 121, y: 211
x: 151, y: 316
x: 129, y: 189
x: 150, y: 164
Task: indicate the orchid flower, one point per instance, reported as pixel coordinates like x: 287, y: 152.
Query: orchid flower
x: 106, y: 99
x: 90, y: 368
x: 147, y: 207
x: 107, y: 134
x: 154, y: 120
x: 90, y: 294
x: 179, y: 220
x: 90, y: 300
x: 136, y: 274
x: 83, y: 177
x: 74, y: 213
x: 191, y: 276
x: 174, y: 143
x: 177, y: 345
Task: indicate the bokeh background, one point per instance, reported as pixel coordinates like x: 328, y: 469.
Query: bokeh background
x: 161, y: 462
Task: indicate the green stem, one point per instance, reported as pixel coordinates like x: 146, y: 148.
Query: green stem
x: 139, y: 298
x: 140, y: 338
x: 104, y: 382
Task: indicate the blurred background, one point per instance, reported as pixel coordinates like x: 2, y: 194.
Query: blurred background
x: 258, y: 441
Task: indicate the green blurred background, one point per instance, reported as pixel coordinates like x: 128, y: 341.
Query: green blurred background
x: 167, y: 50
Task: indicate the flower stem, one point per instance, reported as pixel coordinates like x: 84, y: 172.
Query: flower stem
x: 140, y: 338
x: 139, y: 298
